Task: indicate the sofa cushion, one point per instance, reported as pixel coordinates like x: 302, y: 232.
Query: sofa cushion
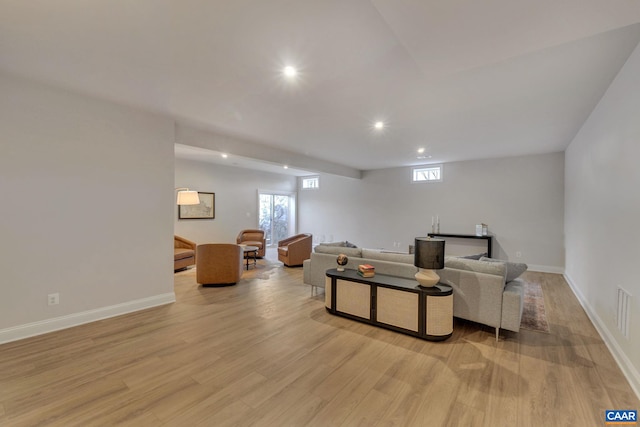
x: 337, y: 250
x: 338, y: 244
x: 388, y: 256
x: 478, y: 266
x: 514, y: 269
x: 476, y: 256
x: 345, y: 244
x: 182, y: 253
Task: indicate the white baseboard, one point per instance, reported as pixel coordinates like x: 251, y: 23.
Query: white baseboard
x: 44, y: 326
x: 627, y: 368
x: 546, y: 269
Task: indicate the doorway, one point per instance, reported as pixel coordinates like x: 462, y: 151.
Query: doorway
x: 277, y: 215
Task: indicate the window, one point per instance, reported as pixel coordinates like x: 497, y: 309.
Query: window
x: 277, y: 215
x: 311, y: 183
x: 431, y: 173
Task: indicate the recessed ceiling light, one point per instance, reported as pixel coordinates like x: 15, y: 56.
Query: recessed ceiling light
x: 379, y: 125
x: 420, y: 150
x: 286, y: 167
x: 290, y: 71
x: 224, y: 155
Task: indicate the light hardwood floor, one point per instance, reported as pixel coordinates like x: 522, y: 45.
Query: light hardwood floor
x: 266, y: 353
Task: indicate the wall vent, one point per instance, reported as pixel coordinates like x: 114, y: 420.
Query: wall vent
x: 622, y: 314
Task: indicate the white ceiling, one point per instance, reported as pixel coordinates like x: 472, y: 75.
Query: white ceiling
x: 463, y: 78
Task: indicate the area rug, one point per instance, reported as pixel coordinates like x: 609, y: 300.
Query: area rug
x: 263, y: 269
x: 534, y: 316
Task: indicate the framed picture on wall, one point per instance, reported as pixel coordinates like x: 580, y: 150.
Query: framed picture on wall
x: 205, y: 210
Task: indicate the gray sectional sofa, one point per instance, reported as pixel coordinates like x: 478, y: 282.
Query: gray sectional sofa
x: 481, y: 292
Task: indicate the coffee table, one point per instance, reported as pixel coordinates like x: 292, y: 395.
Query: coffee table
x: 250, y: 252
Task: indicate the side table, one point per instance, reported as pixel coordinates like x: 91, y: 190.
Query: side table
x: 250, y: 252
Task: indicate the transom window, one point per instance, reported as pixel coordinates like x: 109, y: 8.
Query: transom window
x: 311, y: 183
x: 431, y: 173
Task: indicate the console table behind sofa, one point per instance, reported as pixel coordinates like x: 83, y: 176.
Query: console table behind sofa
x: 391, y: 302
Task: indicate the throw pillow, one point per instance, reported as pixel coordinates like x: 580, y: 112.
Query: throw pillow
x: 348, y: 244
x: 514, y: 269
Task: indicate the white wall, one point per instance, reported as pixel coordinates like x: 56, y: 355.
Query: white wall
x: 602, y: 212
x: 520, y: 198
x: 86, y: 203
x: 236, y: 198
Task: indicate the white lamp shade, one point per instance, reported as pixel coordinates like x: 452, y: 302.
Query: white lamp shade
x: 187, y: 197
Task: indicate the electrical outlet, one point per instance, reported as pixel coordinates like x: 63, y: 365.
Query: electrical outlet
x: 53, y: 299
x: 518, y: 254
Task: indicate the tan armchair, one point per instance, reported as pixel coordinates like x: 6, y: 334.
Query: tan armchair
x: 184, y: 253
x: 218, y: 264
x: 253, y: 238
x: 294, y: 250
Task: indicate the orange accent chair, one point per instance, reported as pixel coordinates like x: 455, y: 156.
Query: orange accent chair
x: 219, y: 264
x: 184, y: 253
x: 253, y: 238
x: 293, y: 250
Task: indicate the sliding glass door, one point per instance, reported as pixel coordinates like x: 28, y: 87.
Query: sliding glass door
x: 276, y: 215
